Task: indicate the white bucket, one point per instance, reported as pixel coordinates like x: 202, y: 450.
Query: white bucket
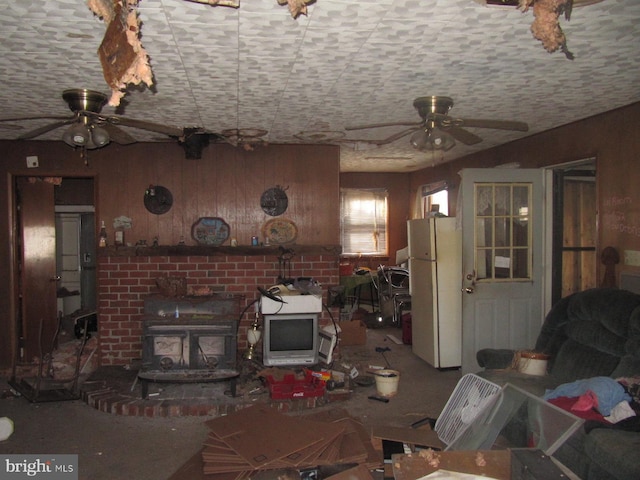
x: 532, y: 363
x: 387, y: 382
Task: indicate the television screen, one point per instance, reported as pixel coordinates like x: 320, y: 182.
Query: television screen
x: 292, y: 334
x: 290, y: 339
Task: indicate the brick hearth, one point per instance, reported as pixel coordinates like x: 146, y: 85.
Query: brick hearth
x: 114, y: 390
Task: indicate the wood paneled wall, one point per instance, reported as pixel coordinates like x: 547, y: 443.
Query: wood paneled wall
x: 226, y: 182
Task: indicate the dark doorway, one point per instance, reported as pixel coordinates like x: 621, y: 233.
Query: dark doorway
x: 51, y: 214
x: 574, y: 262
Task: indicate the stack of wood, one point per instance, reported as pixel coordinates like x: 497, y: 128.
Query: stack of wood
x: 259, y: 438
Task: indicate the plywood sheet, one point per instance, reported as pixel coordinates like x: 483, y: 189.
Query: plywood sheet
x: 412, y: 467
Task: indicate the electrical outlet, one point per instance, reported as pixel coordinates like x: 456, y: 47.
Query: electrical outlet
x: 632, y: 258
x: 32, y: 162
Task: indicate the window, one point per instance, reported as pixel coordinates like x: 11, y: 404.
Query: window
x: 436, y: 203
x: 502, y: 233
x: 363, y: 226
x: 434, y: 198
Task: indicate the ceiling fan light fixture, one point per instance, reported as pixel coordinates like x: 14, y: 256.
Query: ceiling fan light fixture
x: 432, y: 139
x: 77, y: 135
x: 99, y: 136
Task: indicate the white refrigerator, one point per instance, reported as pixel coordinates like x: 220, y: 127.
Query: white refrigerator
x: 435, y: 272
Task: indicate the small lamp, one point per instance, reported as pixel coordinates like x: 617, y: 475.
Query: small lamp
x: 253, y: 337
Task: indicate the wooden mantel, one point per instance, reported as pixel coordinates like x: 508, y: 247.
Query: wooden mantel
x: 209, y: 251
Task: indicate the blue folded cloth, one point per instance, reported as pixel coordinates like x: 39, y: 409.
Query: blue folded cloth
x: 609, y: 392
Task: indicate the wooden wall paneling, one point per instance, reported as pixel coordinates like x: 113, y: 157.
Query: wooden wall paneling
x: 203, y: 191
x: 321, y: 197
x: 229, y: 189
x: 124, y: 200
x: 110, y: 195
x: 189, y: 194
x: 162, y: 224
x: 254, y: 167
x: 228, y: 184
x: 140, y: 176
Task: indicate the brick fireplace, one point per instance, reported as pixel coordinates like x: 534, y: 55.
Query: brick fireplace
x: 126, y: 275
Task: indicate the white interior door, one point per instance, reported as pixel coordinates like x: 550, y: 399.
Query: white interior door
x: 68, y: 264
x: 502, y: 227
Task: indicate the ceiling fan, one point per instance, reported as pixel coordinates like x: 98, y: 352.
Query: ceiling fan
x: 438, y: 130
x: 88, y: 127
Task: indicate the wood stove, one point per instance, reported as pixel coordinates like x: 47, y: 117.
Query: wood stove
x: 189, y: 339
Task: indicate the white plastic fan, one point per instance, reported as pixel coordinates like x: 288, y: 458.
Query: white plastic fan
x: 470, y: 404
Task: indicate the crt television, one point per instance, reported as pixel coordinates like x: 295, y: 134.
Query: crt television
x: 290, y: 339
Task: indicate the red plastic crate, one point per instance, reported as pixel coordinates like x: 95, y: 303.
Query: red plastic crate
x: 290, y: 387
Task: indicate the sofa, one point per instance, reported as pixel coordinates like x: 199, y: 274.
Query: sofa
x: 594, y: 333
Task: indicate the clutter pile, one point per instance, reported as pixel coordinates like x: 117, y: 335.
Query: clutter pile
x: 250, y: 441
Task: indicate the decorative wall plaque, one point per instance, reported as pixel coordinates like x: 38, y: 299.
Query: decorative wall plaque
x: 280, y: 231
x: 158, y: 199
x: 274, y: 201
x: 210, y: 231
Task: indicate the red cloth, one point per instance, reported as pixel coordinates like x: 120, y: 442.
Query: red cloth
x: 566, y: 403
x: 587, y: 401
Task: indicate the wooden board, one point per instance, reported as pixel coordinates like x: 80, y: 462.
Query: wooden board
x: 412, y: 467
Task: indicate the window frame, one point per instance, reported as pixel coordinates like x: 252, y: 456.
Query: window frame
x: 378, y: 225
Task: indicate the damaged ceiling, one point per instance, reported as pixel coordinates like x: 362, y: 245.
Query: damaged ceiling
x: 303, y: 77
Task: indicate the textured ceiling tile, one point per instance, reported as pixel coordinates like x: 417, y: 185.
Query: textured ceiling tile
x: 345, y: 63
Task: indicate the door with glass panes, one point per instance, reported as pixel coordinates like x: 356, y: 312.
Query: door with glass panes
x: 502, y: 228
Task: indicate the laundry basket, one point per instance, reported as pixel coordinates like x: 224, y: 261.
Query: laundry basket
x: 468, y: 406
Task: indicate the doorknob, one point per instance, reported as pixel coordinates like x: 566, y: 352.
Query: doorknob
x: 469, y: 282
x: 57, y: 278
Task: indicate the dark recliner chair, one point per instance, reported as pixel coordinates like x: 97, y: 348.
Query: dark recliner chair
x: 587, y: 334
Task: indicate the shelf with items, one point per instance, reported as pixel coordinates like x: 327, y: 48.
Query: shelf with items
x: 206, y: 250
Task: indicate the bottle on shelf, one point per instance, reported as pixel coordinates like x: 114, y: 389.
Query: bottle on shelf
x: 102, y: 242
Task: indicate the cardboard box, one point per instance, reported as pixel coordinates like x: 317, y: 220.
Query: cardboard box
x: 354, y: 332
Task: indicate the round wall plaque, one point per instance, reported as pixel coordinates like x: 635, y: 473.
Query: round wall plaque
x: 274, y: 201
x: 158, y: 199
x: 210, y: 231
x: 280, y: 231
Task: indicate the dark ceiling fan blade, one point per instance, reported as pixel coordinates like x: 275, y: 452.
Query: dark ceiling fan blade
x: 132, y: 122
x: 384, y: 141
x: 462, y: 135
x: 47, y: 128
x: 380, y: 125
x: 480, y: 123
x: 39, y: 117
x: 118, y: 135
